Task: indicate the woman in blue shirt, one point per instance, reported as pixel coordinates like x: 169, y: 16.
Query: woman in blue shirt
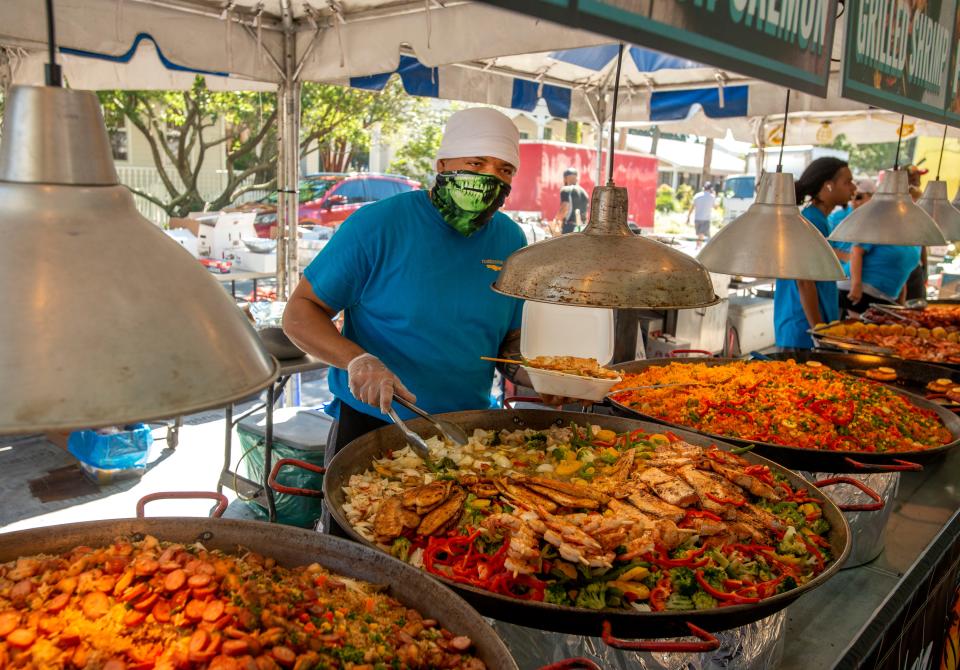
x: 798, y: 305
x: 879, y: 273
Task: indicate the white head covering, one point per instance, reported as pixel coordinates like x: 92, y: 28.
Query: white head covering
x: 480, y: 131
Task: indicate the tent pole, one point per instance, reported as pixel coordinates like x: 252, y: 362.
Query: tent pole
x: 288, y: 168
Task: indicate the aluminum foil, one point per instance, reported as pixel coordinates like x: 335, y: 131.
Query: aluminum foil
x: 866, y: 528
x: 757, y: 646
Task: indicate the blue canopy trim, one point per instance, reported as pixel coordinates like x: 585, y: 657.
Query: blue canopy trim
x: 128, y: 56
x: 676, y: 105
x: 598, y: 58
x: 525, y: 97
x: 417, y: 78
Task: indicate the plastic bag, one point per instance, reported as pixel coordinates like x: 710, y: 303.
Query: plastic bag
x: 112, y: 448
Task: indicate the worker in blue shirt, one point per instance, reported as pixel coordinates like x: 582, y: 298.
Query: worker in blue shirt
x: 412, y: 276
x: 878, y: 273
x: 799, y: 305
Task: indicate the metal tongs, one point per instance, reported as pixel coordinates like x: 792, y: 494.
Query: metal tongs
x: 448, y: 429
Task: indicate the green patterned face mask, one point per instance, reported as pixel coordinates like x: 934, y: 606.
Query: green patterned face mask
x: 468, y: 200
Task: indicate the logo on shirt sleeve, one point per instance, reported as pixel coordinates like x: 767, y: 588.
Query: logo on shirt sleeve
x: 496, y: 266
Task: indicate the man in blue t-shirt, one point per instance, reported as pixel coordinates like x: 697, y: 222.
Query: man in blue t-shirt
x: 412, y: 275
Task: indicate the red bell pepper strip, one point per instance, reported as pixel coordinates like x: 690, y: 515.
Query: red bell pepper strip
x: 723, y: 595
x: 813, y: 550
x: 672, y: 437
x: 726, y: 501
x: 701, y: 514
x: 659, y: 594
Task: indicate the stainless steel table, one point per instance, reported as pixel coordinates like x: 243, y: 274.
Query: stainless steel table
x: 862, y: 617
x: 260, y: 492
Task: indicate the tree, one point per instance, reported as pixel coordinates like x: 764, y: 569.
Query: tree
x: 336, y: 120
x: 416, y: 158
x: 182, y: 128
x: 871, y: 158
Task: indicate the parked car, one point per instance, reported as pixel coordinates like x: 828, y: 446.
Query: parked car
x: 328, y: 198
x: 738, y: 194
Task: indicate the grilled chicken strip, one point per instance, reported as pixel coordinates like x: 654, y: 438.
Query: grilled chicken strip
x: 563, y: 499
x: 650, y: 504
x: 669, y: 487
x: 707, y: 526
x: 760, y: 519
x: 422, y: 499
x: 388, y: 523
x: 443, y: 516
x: 523, y: 495
x: 709, y: 484
x: 574, y: 490
x: 622, y: 510
x: 749, y: 482
x: 612, y: 478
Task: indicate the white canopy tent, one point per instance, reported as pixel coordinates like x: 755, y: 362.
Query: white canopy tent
x: 454, y: 49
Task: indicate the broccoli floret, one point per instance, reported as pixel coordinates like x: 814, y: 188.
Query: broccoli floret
x: 537, y: 440
x: 593, y: 596
x: 556, y: 595
x: 714, y: 577
x: 820, y: 526
x: 703, y: 601
x: 495, y: 440
x: 400, y: 548
x: 792, y: 543
x: 678, y: 602
x: 683, y: 580
x: 790, y: 512
x: 788, y: 584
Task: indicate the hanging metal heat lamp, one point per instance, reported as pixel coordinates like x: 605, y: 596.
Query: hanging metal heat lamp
x: 607, y: 265
x: 935, y: 203
x: 772, y: 239
x: 103, y: 318
x: 891, y: 216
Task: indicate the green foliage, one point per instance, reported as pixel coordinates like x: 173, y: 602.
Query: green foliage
x: 870, y: 158
x: 665, y: 199
x: 182, y: 128
x: 417, y: 156
x: 685, y: 196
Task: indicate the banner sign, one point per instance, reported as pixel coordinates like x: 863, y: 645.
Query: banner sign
x: 902, y: 56
x: 787, y: 42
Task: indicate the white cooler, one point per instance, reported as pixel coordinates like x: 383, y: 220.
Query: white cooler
x: 751, y: 318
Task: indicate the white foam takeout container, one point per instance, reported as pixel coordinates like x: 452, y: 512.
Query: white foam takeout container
x: 564, y: 330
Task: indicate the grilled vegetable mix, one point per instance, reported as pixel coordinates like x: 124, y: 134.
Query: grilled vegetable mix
x: 148, y: 604
x: 589, y: 518
x: 808, y: 406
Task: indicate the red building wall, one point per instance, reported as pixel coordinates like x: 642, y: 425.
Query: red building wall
x: 537, y: 184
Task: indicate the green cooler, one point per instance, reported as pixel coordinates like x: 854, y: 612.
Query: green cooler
x: 297, y: 434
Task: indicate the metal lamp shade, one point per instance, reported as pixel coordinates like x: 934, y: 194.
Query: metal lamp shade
x: 891, y: 217
x: 606, y: 266
x: 934, y: 202
x: 103, y: 318
x: 772, y: 239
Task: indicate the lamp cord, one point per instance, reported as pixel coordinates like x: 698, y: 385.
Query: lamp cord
x: 613, y: 114
x: 783, y: 140
x: 943, y: 146
x: 54, y: 74
x: 896, y: 160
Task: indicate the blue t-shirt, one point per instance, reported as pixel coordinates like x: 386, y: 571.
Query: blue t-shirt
x: 835, y: 219
x: 886, y: 267
x: 790, y: 323
x: 416, y: 294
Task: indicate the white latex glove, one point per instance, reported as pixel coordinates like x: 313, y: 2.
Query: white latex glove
x: 373, y: 383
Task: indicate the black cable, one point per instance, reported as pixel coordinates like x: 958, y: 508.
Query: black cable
x: 896, y: 160
x: 783, y: 140
x: 613, y: 115
x: 943, y: 147
x: 53, y: 72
